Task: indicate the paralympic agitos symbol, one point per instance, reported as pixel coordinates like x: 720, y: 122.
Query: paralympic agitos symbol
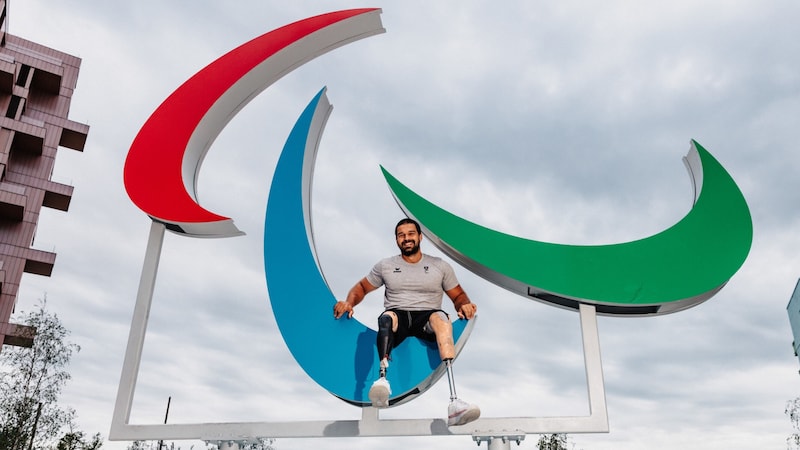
x: 669, y: 271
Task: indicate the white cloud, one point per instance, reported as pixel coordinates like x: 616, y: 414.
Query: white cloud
x: 561, y: 122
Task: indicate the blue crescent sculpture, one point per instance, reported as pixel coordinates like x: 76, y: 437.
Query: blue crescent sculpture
x: 339, y: 355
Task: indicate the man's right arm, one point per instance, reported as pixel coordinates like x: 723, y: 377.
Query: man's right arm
x: 354, y: 297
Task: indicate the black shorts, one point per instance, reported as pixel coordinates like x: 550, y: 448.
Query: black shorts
x: 414, y: 323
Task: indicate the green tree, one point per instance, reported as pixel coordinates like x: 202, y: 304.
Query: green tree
x: 556, y: 441
x: 793, y: 411
x: 76, y: 440
x: 30, y: 384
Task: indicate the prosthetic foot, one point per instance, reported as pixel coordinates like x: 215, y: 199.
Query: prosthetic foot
x: 379, y: 393
x: 460, y: 412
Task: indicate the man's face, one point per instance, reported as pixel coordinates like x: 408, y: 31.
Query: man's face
x: 408, y: 239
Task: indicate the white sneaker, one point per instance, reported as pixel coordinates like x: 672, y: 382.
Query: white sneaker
x: 460, y: 412
x: 379, y: 393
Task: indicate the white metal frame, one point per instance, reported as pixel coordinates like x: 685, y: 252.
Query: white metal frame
x: 370, y: 424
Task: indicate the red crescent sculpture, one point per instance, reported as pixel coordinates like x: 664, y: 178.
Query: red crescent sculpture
x: 165, y: 157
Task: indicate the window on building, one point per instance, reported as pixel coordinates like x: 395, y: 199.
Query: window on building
x: 22, y: 78
x: 13, y: 106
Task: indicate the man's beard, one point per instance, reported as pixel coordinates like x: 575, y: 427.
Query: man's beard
x: 409, y: 251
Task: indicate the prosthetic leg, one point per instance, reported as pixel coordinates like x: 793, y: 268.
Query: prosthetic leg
x: 448, y: 364
x: 380, y: 391
x: 385, y: 341
x: 459, y: 412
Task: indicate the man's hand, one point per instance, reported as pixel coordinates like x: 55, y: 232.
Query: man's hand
x: 467, y: 311
x: 340, y: 308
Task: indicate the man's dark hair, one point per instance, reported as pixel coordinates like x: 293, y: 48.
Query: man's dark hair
x: 405, y: 221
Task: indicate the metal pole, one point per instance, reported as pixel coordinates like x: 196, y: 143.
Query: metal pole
x: 499, y: 444
x: 166, y: 415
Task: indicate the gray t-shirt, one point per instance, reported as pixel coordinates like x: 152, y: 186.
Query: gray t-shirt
x: 413, y: 287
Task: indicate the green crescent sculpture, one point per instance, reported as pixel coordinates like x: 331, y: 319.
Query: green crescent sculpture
x: 675, y: 269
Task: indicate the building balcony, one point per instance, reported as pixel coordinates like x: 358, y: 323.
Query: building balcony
x: 73, y: 135
x: 17, y: 335
x: 7, y: 69
x: 39, y: 262
x: 57, y: 195
x: 12, y: 201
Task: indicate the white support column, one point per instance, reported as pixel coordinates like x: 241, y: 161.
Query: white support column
x: 141, y: 312
x: 594, y: 366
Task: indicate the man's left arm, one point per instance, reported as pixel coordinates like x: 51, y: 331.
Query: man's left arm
x: 464, y: 307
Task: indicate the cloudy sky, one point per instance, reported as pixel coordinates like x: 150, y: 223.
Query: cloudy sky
x: 557, y: 121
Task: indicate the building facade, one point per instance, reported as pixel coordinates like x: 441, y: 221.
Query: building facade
x: 36, y: 86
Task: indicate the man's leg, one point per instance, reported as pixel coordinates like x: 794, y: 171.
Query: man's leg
x: 443, y: 330
x: 387, y: 326
x: 459, y: 412
x: 440, y: 324
x: 380, y: 391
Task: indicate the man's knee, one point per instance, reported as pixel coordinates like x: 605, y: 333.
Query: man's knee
x: 438, y: 322
x: 387, y: 325
x: 388, y: 321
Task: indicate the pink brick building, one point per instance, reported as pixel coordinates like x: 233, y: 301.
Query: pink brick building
x: 36, y: 86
